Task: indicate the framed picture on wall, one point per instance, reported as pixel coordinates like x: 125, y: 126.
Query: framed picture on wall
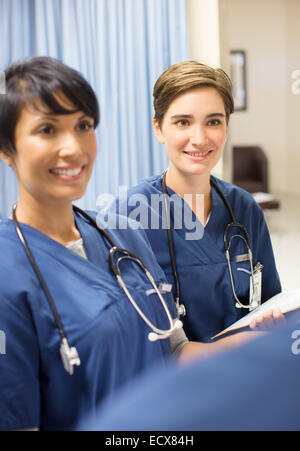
x: 2, y: 82
x: 238, y: 77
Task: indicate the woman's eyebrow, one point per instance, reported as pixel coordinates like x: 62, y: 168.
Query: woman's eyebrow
x: 189, y: 116
x: 185, y: 116
x: 47, y: 117
x: 52, y: 117
x: 83, y: 116
x: 215, y: 115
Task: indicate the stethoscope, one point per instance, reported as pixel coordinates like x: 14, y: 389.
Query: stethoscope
x: 180, y: 307
x: 69, y: 355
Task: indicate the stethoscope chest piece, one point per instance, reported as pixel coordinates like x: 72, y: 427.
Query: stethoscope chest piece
x: 69, y: 356
x: 181, y: 310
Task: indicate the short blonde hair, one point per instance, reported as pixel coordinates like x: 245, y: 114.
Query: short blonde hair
x: 186, y: 75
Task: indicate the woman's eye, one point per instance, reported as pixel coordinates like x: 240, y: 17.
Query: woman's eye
x: 182, y: 123
x: 46, y: 130
x: 85, y: 126
x: 214, y: 122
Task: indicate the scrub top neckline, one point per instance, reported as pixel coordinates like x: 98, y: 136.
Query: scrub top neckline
x: 214, y: 201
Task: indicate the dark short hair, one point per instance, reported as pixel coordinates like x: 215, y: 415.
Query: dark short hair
x: 36, y: 80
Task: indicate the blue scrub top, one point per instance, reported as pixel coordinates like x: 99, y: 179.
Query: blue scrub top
x: 202, y: 268
x: 110, y: 337
x: 255, y: 387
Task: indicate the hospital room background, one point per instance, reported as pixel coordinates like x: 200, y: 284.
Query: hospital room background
x: 121, y: 46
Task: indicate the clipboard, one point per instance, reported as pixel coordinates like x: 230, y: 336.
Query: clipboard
x: 287, y: 302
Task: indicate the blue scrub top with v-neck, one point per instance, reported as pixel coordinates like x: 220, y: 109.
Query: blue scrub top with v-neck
x: 110, y: 337
x: 205, y: 287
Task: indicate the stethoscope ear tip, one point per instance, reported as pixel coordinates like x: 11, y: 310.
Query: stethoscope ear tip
x: 152, y: 336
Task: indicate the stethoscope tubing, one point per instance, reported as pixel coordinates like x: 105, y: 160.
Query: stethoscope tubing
x: 116, y: 271
x: 233, y: 223
x: 39, y: 275
x: 69, y: 355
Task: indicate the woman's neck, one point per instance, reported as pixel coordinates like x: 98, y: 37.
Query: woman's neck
x: 195, y: 189
x: 187, y: 183
x: 55, y: 221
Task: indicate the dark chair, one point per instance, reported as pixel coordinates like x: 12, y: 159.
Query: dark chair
x: 250, y: 169
x: 250, y: 172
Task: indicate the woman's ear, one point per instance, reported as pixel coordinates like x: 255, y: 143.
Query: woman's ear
x: 157, y: 131
x: 6, y: 158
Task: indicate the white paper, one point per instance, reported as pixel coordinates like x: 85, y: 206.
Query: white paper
x: 286, y: 301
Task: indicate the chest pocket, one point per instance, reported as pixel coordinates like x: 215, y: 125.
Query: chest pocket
x: 240, y: 264
x: 241, y: 277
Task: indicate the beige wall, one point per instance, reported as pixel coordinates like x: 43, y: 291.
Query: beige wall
x: 292, y: 26
x: 205, y: 40
x: 268, y: 30
x: 204, y: 30
x: 258, y: 27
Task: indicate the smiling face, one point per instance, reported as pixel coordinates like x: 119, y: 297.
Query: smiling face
x: 54, y: 154
x: 194, y: 131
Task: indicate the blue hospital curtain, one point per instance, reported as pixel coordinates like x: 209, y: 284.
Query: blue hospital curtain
x: 121, y: 47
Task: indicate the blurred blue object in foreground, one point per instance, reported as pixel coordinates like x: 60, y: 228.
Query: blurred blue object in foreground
x: 255, y: 387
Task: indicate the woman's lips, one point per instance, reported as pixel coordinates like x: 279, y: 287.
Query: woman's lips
x: 68, y: 173
x: 198, y: 156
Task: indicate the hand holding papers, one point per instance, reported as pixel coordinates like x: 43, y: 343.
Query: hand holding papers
x: 287, y: 302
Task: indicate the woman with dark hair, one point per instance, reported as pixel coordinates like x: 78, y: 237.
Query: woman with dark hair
x: 71, y: 334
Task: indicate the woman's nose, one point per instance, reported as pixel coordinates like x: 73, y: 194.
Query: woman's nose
x: 199, y: 136
x: 69, y: 145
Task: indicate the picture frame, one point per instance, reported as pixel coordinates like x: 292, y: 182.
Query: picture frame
x: 238, y: 78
